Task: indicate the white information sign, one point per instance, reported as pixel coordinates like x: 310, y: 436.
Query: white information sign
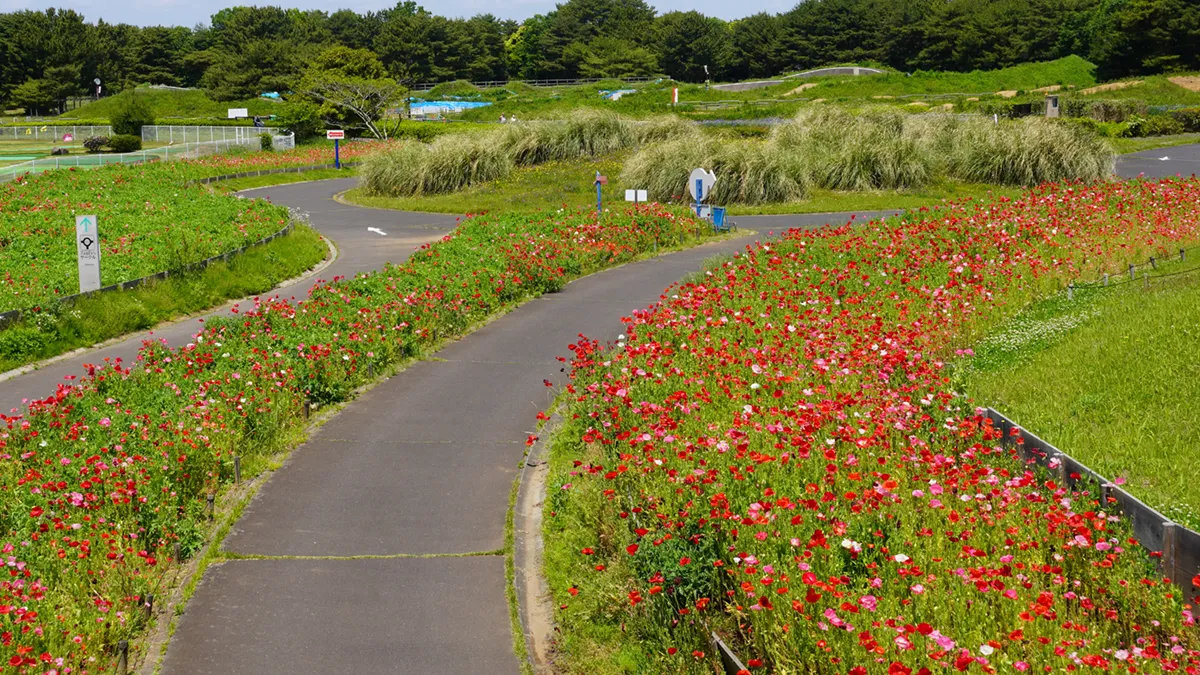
x: 87, y: 245
x: 702, y: 179
x: 635, y: 195
x: 335, y: 134
x: 235, y: 113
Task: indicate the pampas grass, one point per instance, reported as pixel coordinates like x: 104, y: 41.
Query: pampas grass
x: 454, y: 162
x: 880, y: 149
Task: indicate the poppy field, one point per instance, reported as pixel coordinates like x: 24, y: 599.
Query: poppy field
x: 106, y: 475
x: 775, y: 453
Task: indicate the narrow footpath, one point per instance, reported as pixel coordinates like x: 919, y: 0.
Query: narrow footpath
x: 377, y: 547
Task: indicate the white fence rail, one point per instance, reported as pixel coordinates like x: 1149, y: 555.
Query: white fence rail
x: 165, y: 153
x: 49, y: 132
x: 169, y: 133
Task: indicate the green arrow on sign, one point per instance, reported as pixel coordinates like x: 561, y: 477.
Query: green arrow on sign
x: 86, y: 223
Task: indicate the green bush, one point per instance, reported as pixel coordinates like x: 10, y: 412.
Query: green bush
x: 1104, y: 110
x: 131, y: 115
x: 95, y: 143
x: 265, y: 142
x: 1188, y: 118
x: 301, y: 118
x: 125, y: 143
x: 1154, y: 125
x: 1028, y: 152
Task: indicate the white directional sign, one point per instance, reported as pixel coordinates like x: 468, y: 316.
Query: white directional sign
x: 335, y: 134
x: 87, y: 245
x: 702, y: 179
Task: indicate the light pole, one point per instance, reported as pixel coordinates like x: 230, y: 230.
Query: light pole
x: 97, y: 83
x: 706, y: 78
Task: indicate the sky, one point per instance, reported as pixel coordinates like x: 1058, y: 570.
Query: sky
x: 190, y: 12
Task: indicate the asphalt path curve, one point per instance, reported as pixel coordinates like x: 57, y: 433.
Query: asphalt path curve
x: 1181, y: 160
x: 376, y: 547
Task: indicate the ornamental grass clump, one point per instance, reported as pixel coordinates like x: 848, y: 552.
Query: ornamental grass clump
x: 753, y: 172
x: 1027, y: 152
x: 450, y: 163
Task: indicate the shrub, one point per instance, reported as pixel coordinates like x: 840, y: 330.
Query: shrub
x: 1104, y: 110
x: 265, y: 142
x: 747, y: 172
x: 1154, y: 125
x: 1188, y: 118
x: 125, y: 143
x: 132, y: 114
x: 301, y: 118
x: 95, y: 143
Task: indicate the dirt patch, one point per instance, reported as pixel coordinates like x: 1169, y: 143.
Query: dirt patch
x: 1047, y: 90
x: 919, y: 104
x: 947, y: 107
x: 883, y: 97
x: 1189, y: 82
x: 819, y: 100
x: 1111, y: 86
x: 1007, y: 93
x: 804, y: 87
x: 973, y: 98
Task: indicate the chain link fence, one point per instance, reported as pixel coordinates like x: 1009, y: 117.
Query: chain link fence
x: 165, y: 153
x: 169, y: 133
x: 48, y: 132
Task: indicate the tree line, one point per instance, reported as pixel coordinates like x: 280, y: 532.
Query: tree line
x: 46, y: 56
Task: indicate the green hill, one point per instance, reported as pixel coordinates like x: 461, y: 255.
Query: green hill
x: 168, y: 103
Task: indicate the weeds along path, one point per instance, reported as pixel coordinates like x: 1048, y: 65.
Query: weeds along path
x: 358, y: 251
x: 379, y: 546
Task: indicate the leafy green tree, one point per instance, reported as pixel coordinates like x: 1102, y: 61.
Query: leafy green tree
x: 613, y: 57
x: 36, y: 96
x: 581, y: 21
x: 754, y: 47
x: 353, y: 91
x: 689, y: 41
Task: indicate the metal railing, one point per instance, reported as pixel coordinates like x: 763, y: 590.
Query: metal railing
x: 165, y: 153
x: 50, y: 132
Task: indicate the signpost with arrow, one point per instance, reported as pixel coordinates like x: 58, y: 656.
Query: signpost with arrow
x: 87, y: 244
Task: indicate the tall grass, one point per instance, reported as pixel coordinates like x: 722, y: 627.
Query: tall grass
x: 881, y: 149
x: 751, y: 172
x: 448, y: 164
x: 454, y: 162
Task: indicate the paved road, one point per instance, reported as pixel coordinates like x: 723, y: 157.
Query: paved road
x: 1182, y: 160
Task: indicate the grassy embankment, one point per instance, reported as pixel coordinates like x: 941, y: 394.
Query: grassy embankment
x: 1110, y: 378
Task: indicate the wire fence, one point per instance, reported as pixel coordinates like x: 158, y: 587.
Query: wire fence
x: 49, y: 132
x: 165, y: 153
x: 174, y: 133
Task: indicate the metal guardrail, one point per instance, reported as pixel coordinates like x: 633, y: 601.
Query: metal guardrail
x: 1178, y: 545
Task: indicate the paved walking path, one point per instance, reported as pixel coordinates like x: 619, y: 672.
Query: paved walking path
x: 376, y: 546
x: 1182, y: 160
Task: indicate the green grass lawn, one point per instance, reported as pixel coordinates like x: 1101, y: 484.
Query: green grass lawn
x: 62, y: 328
x: 167, y: 103
x: 1111, y: 378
